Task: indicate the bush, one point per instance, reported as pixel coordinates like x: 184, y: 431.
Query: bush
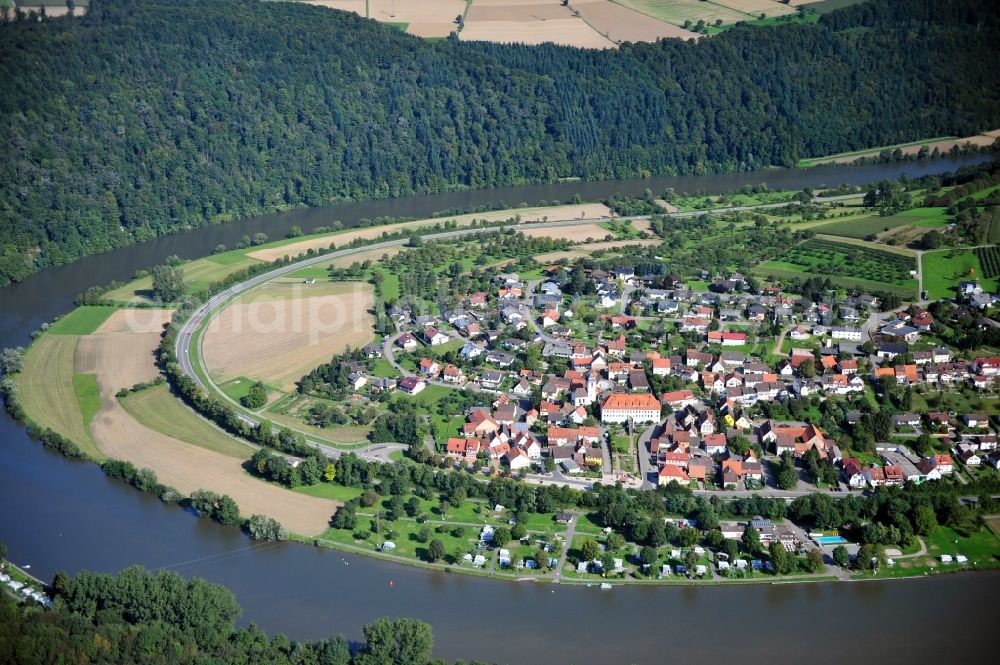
x: 261, y: 527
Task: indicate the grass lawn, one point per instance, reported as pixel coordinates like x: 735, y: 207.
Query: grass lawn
x: 318, y: 272
x: 87, y: 396
x: 347, y: 434
x: 237, y: 388
x: 440, y: 350
x: 331, y: 491
x: 981, y: 547
x: 428, y: 397
x: 48, y: 393
x: 332, y: 436
x: 382, y: 368
x: 403, y: 532
x: 944, y: 269
x: 82, y: 320
x: 157, y: 409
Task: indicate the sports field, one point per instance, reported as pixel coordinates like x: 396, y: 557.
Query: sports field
x: 276, y: 333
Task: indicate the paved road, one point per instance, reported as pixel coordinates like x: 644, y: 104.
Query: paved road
x: 647, y: 470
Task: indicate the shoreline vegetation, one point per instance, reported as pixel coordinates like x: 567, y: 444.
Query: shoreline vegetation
x: 224, y: 510
x: 548, y: 110
x: 139, y: 615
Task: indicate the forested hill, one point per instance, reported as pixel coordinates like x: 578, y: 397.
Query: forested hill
x: 149, y: 115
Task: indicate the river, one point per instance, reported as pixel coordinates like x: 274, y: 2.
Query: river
x: 62, y: 514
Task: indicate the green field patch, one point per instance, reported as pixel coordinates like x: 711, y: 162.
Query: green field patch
x: 330, y: 491
x: 848, y: 264
x: 440, y: 350
x: 82, y: 320
x: 198, y: 275
x: 159, y: 410
x: 87, y: 396
x: 311, y: 272
x: 48, y: 393
x: 239, y: 387
x: 383, y: 369
x: 944, y: 269
x: 872, y: 225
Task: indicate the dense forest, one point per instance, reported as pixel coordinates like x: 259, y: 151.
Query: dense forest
x: 143, y: 617
x: 146, y: 116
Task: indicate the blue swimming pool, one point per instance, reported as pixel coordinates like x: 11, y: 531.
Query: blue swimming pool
x: 830, y: 540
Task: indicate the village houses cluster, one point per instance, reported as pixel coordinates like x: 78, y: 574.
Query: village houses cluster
x: 604, y: 382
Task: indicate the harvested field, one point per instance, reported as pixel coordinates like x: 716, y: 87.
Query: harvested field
x: 567, y: 32
x: 188, y: 468
x: 758, y: 7
x: 120, y: 360
x: 534, y: 214
x: 623, y: 24
x: 678, y: 11
x: 278, y: 332
x: 577, y: 233
x: 374, y: 255
x: 584, y: 250
x: 642, y: 225
x: 424, y: 19
x: 943, y: 145
x: 356, y: 6
x: 55, y: 11
x: 46, y: 389
x: 157, y: 409
x: 136, y: 320
x: 525, y: 10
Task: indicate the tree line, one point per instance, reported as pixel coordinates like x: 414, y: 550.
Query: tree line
x: 138, y: 616
x: 146, y: 116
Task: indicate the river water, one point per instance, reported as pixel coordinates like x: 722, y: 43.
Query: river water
x: 61, y: 514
